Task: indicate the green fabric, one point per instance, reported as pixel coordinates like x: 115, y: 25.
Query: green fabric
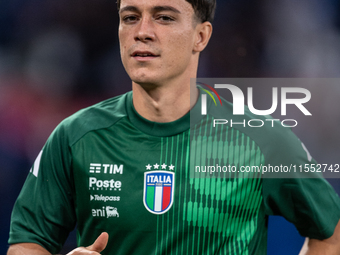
x: 92, y: 174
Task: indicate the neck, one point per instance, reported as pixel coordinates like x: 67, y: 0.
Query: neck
x: 162, y: 103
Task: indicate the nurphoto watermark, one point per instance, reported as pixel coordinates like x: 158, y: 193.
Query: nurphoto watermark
x: 264, y: 128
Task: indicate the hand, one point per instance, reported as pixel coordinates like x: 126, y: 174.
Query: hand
x: 94, y: 249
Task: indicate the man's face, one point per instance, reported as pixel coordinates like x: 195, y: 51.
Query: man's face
x: 157, y: 38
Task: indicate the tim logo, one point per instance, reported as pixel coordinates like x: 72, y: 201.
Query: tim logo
x: 158, y: 191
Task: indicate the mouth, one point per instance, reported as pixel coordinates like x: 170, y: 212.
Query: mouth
x: 143, y: 55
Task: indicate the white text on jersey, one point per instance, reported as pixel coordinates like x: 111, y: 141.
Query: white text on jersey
x: 106, y: 168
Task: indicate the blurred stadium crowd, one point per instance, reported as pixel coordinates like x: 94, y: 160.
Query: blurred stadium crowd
x: 59, y: 56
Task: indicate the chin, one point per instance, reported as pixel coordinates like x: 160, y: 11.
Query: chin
x: 144, y: 79
x: 147, y: 84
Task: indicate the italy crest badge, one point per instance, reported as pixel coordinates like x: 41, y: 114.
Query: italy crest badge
x: 158, y: 191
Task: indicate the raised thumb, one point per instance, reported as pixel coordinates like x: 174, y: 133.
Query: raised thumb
x: 100, y: 243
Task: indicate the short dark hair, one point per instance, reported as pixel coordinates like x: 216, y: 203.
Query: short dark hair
x: 204, y: 9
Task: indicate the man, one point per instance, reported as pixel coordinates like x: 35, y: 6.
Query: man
x: 120, y: 169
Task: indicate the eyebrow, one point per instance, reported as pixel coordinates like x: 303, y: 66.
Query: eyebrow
x: 155, y: 8
x: 128, y: 8
x: 166, y: 8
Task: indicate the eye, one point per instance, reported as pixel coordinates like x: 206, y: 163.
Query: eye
x: 165, y: 18
x: 129, y: 18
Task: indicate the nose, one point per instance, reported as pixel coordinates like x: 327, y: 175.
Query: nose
x: 145, y: 30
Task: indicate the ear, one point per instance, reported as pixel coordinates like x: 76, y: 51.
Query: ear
x: 203, y: 34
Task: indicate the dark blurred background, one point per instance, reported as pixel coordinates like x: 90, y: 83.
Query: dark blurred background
x: 59, y: 56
